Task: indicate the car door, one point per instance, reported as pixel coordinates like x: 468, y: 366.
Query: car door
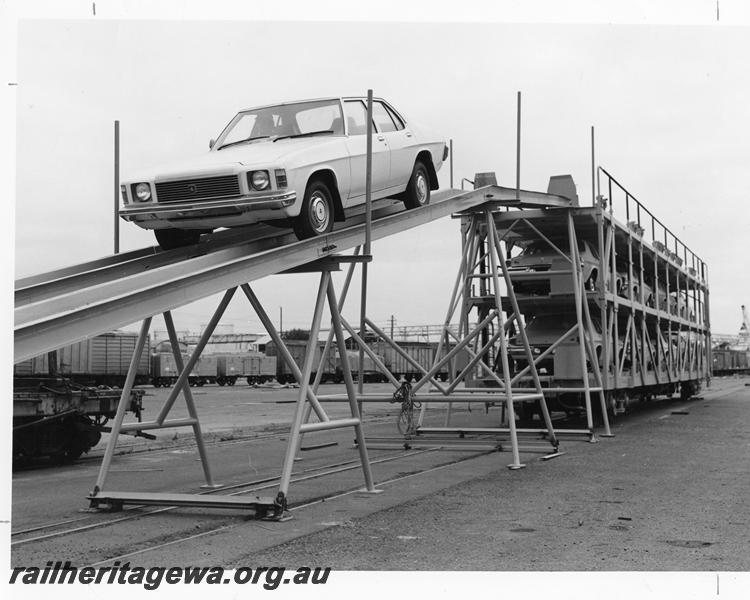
x: 400, y: 143
x: 356, y: 121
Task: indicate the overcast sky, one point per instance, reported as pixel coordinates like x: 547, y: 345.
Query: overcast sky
x: 670, y: 104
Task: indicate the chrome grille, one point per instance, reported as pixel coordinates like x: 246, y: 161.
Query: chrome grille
x: 206, y: 188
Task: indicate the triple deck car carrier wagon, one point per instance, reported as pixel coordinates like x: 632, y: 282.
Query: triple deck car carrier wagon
x: 610, y: 306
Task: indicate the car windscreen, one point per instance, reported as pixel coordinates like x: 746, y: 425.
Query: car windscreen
x: 284, y: 120
x: 541, y: 247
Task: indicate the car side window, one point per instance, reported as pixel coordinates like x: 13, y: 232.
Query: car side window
x: 324, y: 117
x: 356, y: 117
x: 382, y: 118
x: 396, y: 119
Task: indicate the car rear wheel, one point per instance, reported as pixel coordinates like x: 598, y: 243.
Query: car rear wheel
x: 418, y: 189
x: 177, y: 238
x: 316, y: 216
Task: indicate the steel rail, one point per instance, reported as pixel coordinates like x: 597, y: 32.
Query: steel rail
x: 258, y: 485
x: 91, y: 265
x: 370, y: 420
x: 476, y: 453
x: 218, y: 238
x: 51, y: 324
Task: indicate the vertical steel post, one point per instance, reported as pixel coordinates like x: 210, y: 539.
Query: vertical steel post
x: 368, y: 177
x: 367, y: 248
x: 189, y: 400
x: 117, y: 187
x: 451, y: 161
x: 518, y: 149
x: 122, y: 405
x: 304, y: 385
x: 593, y: 171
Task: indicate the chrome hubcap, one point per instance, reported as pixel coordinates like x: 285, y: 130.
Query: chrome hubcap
x: 319, y: 212
x: 421, y: 188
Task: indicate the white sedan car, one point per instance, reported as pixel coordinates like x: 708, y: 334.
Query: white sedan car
x: 303, y: 163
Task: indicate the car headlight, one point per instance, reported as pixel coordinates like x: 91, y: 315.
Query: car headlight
x: 143, y: 192
x: 259, y: 180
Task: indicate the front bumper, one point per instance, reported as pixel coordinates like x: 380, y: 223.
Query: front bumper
x: 213, y: 208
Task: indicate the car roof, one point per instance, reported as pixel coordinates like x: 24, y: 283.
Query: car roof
x: 289, y: 102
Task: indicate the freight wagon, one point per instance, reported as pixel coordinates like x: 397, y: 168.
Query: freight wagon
x: 332, y: 372
x: 56, y: 419
x: 728, y: 360
x: 423, y: 353
x: 62, y: 400
x: 101, y: 360
x: 164, y: 371
x: 255, y: 367
x: 370, y: 371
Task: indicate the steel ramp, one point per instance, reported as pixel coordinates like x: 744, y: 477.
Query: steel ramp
x: 53, y: 310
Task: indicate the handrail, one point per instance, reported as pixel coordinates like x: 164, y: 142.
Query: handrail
x: 670, y: 239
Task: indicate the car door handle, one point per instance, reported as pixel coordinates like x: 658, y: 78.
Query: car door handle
x: 381, y: 138
x: 408, y: 134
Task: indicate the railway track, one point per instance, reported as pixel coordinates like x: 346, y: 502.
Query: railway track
x: 296, y: 507
x: 43, y: 532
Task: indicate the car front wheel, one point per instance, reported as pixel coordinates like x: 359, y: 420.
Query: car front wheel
x: 177, y: 238
x: 418, y: 188
x: 316, y: 216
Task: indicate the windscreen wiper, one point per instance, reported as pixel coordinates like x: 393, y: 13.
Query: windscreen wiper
x: 258, y: 137
x: 297, y: 135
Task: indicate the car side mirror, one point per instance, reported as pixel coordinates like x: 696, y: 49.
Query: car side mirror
x: 211, y: 143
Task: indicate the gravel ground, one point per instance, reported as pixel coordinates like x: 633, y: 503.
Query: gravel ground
x: 669, y: 492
